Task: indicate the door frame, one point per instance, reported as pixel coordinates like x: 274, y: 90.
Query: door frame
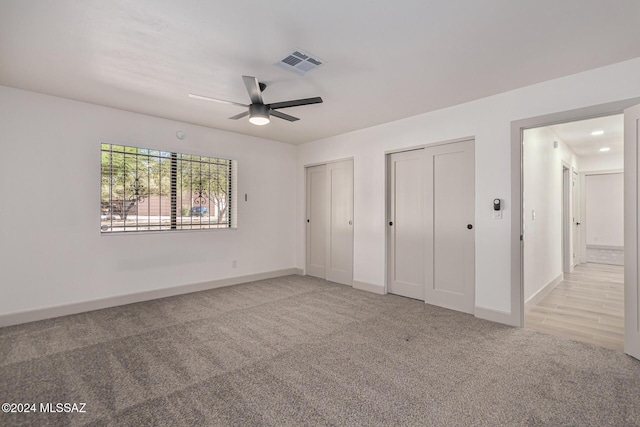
x: 516, y: 317
x: 387, y: 192
x: 631, y: 187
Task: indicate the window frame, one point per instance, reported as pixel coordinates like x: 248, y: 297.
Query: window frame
x: 177, y: 223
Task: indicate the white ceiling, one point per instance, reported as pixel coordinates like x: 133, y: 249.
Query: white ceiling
x: 577, y: 135
x: 384, y: 60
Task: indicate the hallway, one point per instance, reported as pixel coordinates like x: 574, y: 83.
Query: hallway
x: 588, y: 306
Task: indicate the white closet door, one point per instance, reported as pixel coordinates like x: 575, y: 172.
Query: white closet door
x: 339, y: 248
x: 316, y: 221
x: 631, y: 227
x: 450, y: 212
x: 430, y: 214
x: 406, y: 224
x: 330, y: 221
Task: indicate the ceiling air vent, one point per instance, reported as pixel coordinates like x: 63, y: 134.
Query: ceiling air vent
x: 300, y: 62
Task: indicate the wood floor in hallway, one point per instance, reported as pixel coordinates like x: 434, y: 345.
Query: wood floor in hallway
x: 588, y: 306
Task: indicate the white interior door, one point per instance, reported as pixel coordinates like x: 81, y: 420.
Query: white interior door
x: 406, y: 223
x: 631, y: 227
x: 316, y: 221
x: 339, y: 248
x: 575, y: 218
x: 566, y: 219
x: 450, y: 217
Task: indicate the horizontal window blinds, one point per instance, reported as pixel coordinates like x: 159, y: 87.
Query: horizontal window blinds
x: 152, y: 190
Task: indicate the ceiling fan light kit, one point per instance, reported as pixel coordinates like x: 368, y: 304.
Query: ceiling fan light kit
x: 258, y: 111
x: 258, y: 114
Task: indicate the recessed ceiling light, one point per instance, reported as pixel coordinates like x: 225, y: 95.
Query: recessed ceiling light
x: 597, y: 132
x: 605, y: 149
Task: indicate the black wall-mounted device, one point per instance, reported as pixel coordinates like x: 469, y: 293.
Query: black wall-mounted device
x: 497, y: 205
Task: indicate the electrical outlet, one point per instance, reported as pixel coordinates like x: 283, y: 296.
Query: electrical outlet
x: 234, y: 263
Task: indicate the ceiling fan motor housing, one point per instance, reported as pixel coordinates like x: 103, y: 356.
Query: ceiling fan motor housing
x: 258, y: 110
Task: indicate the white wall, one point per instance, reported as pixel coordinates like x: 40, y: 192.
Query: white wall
x: 602, y: 162
x: 605, y: 209
x: 51, y: 250
x: 542, y: 193
x: 488, y: 120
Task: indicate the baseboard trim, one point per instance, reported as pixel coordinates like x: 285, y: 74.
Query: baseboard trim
x: 544, y: 291
x: 81, y: 307
x: 496, y: 316
x: 606, y: 247
x: 369, y: 287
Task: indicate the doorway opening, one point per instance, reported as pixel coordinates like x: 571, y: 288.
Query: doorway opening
x: 573, y: 229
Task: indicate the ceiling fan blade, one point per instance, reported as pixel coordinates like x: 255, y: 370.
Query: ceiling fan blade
x: 253, y: 87
x: 296, y: 102
x: 239, y: 116
x: 280, y: 115
x: 221, y: 101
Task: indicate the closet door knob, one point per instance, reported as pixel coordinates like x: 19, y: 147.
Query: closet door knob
x: 469, y: 226
x: 390, y: 222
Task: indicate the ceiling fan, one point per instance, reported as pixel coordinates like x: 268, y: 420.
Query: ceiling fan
x: 258, y: 111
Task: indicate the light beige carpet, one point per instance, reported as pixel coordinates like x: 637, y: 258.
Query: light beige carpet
x: 302, y: 351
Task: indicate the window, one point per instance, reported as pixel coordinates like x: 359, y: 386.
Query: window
x: 151, y: 190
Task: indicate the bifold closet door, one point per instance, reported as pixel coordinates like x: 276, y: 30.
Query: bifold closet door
x: 329, y: 228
